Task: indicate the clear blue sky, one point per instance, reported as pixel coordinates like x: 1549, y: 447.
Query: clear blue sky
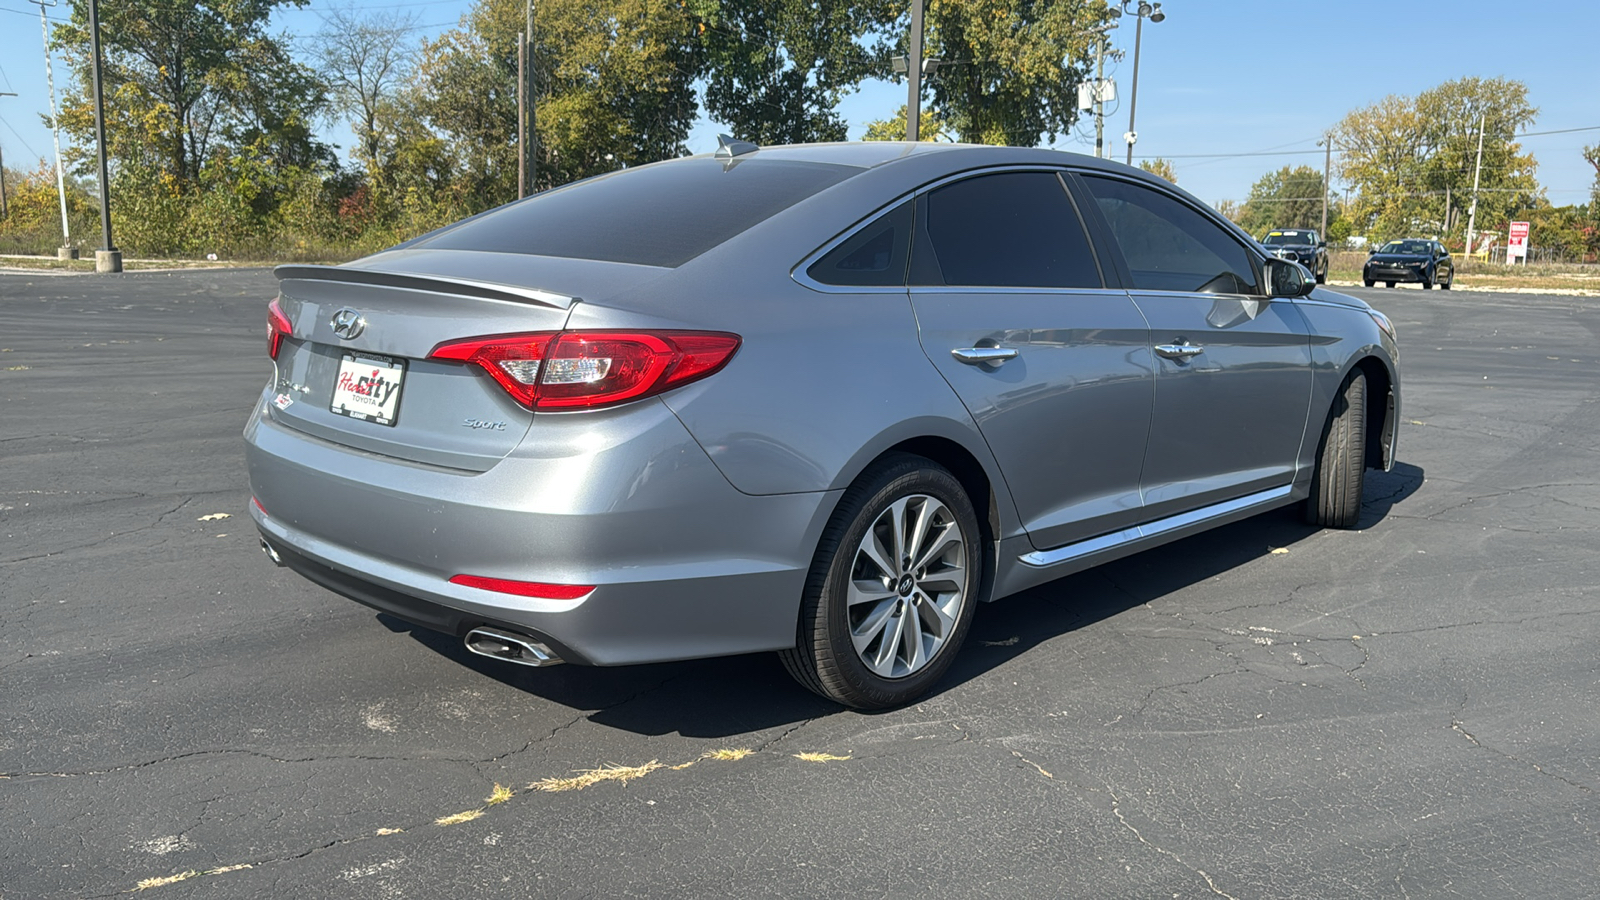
x: 1217, y: 77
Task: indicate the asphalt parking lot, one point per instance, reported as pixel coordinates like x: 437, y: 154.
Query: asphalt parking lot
x: 1411, y: 709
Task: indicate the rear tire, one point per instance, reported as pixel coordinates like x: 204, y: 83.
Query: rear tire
x: 874, y: 631
x: 1323, y: 277
x: 1336, y: 486
x: 1388, y: 284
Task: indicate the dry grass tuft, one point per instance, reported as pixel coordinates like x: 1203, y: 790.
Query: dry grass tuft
x: 226, y: 869
x: 500, y: 795
x: 384, y: 831
x: 820, y: 757
x: 730, y: 755
x: 170, y: 879
x: 459, y: 817
x: 587, y: 777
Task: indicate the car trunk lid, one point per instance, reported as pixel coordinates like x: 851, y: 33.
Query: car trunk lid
x: 354, y: 370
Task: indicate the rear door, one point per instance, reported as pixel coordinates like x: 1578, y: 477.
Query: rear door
x: 1053, y: 365
x: 1233, y: 368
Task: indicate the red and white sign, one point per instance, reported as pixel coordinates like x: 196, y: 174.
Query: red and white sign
x: 1517, y: 242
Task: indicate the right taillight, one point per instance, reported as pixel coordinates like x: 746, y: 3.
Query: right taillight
x: 586, y: 369
x: 278, y: 327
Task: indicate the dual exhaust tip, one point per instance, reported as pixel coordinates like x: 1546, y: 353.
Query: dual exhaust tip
x: 495, y: 643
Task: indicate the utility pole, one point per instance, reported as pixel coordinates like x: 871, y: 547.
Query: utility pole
x: 1099, y: 92
x: 1472, y: 213
x: 1133, y: 102
x: 5, y: 211
x: 66, y: 250
x: 530, y: 149
x: 914, y: 73
x: 108, y: 258
x: 522, y: 116
x: 1327, y: 165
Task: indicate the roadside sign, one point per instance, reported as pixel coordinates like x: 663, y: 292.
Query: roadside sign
x: 1517, y: 243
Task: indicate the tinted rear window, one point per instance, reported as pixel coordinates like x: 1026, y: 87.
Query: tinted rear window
x: 662, y: 215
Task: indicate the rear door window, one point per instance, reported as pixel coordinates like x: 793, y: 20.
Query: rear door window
x: 1008, y: 229
x: 1169, y: 246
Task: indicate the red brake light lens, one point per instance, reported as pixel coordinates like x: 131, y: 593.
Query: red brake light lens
x: 586, y: 369
x: 278, y: 327
x: 525, y: 588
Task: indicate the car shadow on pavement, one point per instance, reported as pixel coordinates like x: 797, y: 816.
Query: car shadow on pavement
x: 716, y: 698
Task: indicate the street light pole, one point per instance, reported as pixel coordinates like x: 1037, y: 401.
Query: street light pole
x: 66, y: 251
x: 1327, y: 164
x: 108, y: 258
x: 1472, y: 214
x: 914, y: 73
x: 1145, y: 10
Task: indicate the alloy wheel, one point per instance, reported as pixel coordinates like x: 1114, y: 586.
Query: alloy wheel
x: 908, y: 582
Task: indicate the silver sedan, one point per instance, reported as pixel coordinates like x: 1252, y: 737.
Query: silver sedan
x: 820, y: 400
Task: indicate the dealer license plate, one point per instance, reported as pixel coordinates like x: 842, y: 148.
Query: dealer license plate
x: 368, y: 387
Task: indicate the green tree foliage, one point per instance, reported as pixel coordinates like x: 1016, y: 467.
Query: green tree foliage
x: 187, y: 78
x: 776, y: 69
x: 1011, y: 68
x: 1291, y: 197
x: 1161, y: 168
x: 1412, y: 158
x: 612, y: 78
x: 930, y: 127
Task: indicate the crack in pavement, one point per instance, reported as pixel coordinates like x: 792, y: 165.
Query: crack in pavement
x: 1116, y: 810
x: 1458, y: 725
x: 112, y: 536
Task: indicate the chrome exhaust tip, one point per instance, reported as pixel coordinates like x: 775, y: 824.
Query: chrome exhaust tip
x: 271, y: 553
x: 508, y: 646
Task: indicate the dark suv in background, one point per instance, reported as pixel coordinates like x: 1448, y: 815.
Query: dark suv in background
x: 1302, y: 246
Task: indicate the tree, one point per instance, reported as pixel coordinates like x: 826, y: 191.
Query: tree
x: 185, y: 76
x: 1413, y: 159
x: 613, y: 81
x: 365, y: 59
x: 776, y: 69
x: 1161, y: 168
x: 1009, y: 69
x: 1291, y: 197
x: 931, y: 128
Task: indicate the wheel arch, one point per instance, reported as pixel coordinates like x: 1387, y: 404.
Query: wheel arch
x: 1381, y: 412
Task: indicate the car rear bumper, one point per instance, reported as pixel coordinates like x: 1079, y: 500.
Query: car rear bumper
x: 682, y: 564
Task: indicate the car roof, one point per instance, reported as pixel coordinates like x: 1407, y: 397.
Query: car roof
x: 872, y: 154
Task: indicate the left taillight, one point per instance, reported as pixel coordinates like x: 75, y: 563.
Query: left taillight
x: 552, y: 370
x: 278, y: 327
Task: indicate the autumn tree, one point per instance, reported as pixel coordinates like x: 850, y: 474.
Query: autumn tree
x: 1161, y: 168
x: 1413, y: 159
x: 930, y: 128
x: 1009, y: 69
x: 185, y: 77
x: 614, y: 85
x: 1290, y: 197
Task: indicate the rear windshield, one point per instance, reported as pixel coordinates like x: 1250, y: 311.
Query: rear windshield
x: 1290, y: 237
x: 660, y: 215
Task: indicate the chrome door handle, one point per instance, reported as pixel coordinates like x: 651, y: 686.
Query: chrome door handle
x: 977, y: 356
x: 1178, y: 351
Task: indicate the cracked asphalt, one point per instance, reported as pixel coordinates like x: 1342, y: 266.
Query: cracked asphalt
x: 1411, y: 709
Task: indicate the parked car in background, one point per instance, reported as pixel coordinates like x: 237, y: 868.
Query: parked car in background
x: 1304, y: 247
x: 1412, y: 259
x: 820, y: 400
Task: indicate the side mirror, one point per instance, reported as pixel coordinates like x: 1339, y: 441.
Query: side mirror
x: 1322, y: 245
x: 1287, y: 279
x: 1372, y: 251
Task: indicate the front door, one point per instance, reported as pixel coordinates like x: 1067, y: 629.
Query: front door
x: 1233, y: 368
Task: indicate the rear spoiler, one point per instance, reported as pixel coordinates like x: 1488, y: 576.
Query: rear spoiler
x: 439, y: 284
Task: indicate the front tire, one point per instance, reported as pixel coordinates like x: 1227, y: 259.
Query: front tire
x: 1340, y: 477
x: 1388, y: 284
x: 1445, y: 285
x: 1427, y: 283
x: 892, y: 587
